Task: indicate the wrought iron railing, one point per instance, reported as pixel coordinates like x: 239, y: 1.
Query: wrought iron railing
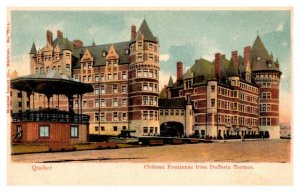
x: 50, y: 116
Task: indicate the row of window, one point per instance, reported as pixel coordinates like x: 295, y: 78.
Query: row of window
x: 148, y: 73
x: 265, y: 95
x: 248, y: 98
x: 150, y: 115
x: 266, y: 75
x: 115, y: 117
x: 264, y: 107
x: 265, y: 121
x: 115, y: 89
x: 234, y: 120
x: 148, y: 100
x: 171, y: 112
x: 248, y: 88
x: 44, y: 131
x: 58, y: 68
x: 115, y: 128
x: 55, y: 57
x: 150, y: 130
x: 225, y: 92
x: 109, y: 77
x: 140, y: 46
x: 115, y: 102
x: 150, y: 87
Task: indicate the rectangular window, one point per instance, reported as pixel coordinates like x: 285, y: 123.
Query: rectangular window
x: 151, y: 130
x: 115, y: 76
x: 213, y: 102
x: 124, y: 102
x: 96, y: 116
x: 96, y: 128
x: 102, y: 116
x: 67, y: 67
x: 115, y: 88
x: 151, y: 87
x: 172, y: 112
x: 115, y: 128
x: 115, y: 115
x: 181, y: 112
x: 151, y: 73
x: 124, y: 116
x: 161, y: 112
x: 96, y: 78
x: 84, y: 78
x: 109, y: 76
x: 124, y: 75
x: 84, y: 103
x: 102, y: 128
x: 102, y: 77
x: 151, y: 101
x: 139, y: 73
x: 145, y: 73
x: 155, y: 88
x: 145, y: 130
x: 74, y: 131
x: 123, y: 88
x: 166, y: 112
x: 212, y: 88
x: 102, y: 88
x: 96, y: 102
x: 145, y: 115
x: 115, y: 102
x: 145, y: 100
x: 145, y: 86
x: 151, y: 57
x: 44, y: 131
x: 19, y: 131
x: 151, y: 115
x: 97, y: 91
x: 102, y: 101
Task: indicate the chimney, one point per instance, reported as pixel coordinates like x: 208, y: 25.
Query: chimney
x: 49, y: 36
x: 234, y: 55
x: 218, y: 65
x: 60, y: 34
x: 133, y: 31
x: 247, y: 55
x: 77, y: 43
x: 179, y: 70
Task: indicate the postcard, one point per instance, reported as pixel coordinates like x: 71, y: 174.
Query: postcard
x: 113, y: 96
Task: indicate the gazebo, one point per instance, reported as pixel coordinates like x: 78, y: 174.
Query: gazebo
x: 50, y: 125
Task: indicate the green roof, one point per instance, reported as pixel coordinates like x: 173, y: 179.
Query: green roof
x: 163, y: 93
x: 265, y: 61
x: 63, y: 43
x: 96, y: 52
x: 145, y: 30
x: 33, y: 49
x: 188, y: 74
x: 178, y: 103
x: 232, y: 69
x: 170, y: 83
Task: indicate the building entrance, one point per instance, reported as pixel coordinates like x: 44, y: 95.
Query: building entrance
x: 171, y: 129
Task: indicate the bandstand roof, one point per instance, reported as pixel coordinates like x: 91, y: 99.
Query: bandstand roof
x: 50, y: 83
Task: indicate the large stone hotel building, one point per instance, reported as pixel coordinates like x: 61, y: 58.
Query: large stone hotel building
x: 235, y: 96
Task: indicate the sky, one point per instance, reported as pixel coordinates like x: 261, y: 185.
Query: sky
x: 184, y: 35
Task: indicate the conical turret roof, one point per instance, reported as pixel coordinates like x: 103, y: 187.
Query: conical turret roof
x: 33, y: 49
x: 170, y: 83
x: 145, y: 30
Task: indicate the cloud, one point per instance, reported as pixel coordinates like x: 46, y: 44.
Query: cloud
x: 164, y: 57
x: 279, y: 27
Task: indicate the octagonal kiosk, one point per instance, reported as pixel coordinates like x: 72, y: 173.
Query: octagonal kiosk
x: 50, y: 125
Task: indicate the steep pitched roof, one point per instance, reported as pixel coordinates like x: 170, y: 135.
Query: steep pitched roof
x: 163, y: 93
x: 33, y: 49
x: 232, y: 69
x: 145, y: 30
x: 260, y: 58
x: 178, y: 103
x: 63, y: 43
x: 96, y: 52
x: 188, y: 74
x: 170, y: 83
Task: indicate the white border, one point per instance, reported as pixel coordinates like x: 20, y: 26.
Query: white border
x: 153, y: 3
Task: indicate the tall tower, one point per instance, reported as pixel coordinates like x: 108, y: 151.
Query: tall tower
x: 266, y: 74
x: 144, y: 81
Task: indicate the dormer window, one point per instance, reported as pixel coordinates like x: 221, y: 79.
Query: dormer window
x: 127, y: 51
x: 103, y: 54
x: 258, y: 58
x: 269, y: 64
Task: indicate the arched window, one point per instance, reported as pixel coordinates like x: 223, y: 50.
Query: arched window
x: 42, y: 70
x: 47, y: 69
x: 59, y: 69
x: 54, y: 67
x: 37, y: 70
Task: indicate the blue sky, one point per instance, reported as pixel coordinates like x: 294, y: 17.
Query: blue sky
x: 183, y: 35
